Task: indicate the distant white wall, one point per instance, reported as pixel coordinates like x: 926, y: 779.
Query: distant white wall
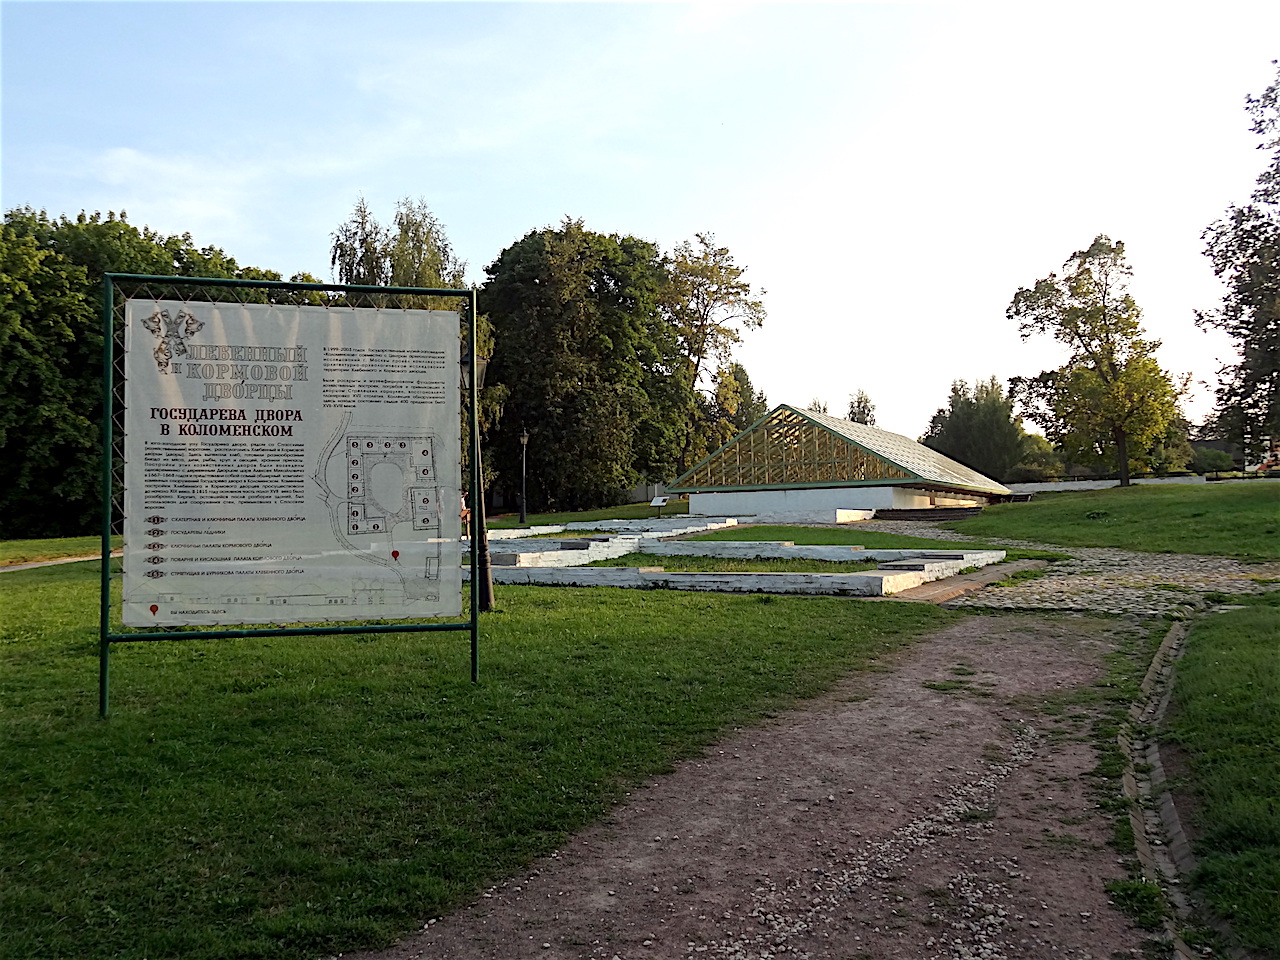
x: 644, y: 492
x: 817, y: 505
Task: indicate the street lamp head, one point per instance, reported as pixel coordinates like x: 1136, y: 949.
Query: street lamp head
x: 524, y: 437
x: 481, y: 364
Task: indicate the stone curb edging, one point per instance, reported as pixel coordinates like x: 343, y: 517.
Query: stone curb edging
x: 1149, y: 829
x: 1163, y: 850
x: 942, y: 592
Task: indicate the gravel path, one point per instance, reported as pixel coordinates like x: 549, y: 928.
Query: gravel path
x: 937, y: 810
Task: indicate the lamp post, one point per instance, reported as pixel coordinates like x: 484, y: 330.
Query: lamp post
x: 524, y: 449
x: 479, y: 529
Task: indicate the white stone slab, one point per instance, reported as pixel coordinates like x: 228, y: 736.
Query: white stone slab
x: 553, y: 561
x: 821, y: 515
x: 872, y: 583
x: 550, y: 553
x: 520, y: 533
x: 751, y: 549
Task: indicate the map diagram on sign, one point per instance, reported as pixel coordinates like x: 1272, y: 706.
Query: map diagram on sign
x: 383, y: 494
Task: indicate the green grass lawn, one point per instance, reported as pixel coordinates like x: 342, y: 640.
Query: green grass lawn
x: 851, y: 535
x: 733, y: 565
x: 629, y: 511
x: 1226, y: 719
x: 845, y: 534
x: 300, y: 796
x: 1222, y: 519
x: 29, y: 551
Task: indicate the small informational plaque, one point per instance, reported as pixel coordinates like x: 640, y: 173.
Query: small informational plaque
x: 289, y: 464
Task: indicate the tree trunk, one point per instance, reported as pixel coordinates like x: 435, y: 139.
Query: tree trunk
x: 1122, y: 457
x: 686, y: 449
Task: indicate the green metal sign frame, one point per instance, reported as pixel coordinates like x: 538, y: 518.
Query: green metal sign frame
x: 110, y: 346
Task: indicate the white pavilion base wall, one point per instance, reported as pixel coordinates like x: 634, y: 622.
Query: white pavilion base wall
x: 816, y: 505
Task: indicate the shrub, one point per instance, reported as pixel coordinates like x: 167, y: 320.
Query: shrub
x: 1209, y: 460
x: 1028, y: 473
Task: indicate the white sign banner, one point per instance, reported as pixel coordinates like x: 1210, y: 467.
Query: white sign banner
x: 290, y: 464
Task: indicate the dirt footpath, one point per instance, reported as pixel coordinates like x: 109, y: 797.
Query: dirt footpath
x: 936, y: 810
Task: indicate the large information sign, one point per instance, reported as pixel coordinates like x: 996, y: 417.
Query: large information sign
x: 289, y: 464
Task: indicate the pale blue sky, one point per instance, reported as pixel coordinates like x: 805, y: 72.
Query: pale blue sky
x: 891, y: 174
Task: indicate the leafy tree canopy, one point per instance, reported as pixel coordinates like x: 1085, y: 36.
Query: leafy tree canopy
x: 111, y: 244
x: 861, y: 409
x: 979, y: 429
x: 708, y: 303
x: 1209, y: 460
x: 709, y: 300
x: 1244, y: 247
x: 48, y: 424
x: 733, y: 406
x: 51, y: 354
x: 413, y: 252
x: 1039, y: 462
x: 1111, y: 400
x: 738, y: 400
x: 1171, y: 451
x: 581, y: 344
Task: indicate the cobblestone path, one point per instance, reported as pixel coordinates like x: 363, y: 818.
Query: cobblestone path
x: 1105, y: 579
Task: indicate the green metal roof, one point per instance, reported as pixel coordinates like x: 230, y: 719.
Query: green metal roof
x: 790, y: 448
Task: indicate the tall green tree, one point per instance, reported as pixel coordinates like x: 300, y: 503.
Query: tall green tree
x: 1171, y: 450
x: 734, y: 405
x: 49, y: 420
x: 660, y: 431
x: 1244, y: 247
x: 581, y: 345
x: 414, y: 251
x: 978, y: 427
x: 359, y: 250
x: 421, y: 254
x: 1039, y: 462
x: 748, y: 404
x: 710, y: 304
x: 51, y: 355
x: 110, y: 243
x: 1111, y: 399
x: 861, y: 409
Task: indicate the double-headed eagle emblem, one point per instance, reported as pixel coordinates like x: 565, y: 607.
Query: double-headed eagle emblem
x: 172, y: 333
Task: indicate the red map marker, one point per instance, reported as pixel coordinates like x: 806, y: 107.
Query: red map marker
x: 395, y: 554
x: 154, y: 609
